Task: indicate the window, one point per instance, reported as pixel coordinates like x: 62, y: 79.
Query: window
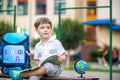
x: 91, y: 34
x: 40, y: 7
x: 91, y: 14
x: 56, y: 5
x: 9, y: 6
x: 22, y: 7
x: 92, y: 11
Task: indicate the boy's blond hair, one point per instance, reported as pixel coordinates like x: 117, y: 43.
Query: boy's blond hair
x: 42, y: 20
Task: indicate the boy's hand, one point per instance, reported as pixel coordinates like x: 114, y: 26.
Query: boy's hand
x: 37, y: 63
x: 62, y: 58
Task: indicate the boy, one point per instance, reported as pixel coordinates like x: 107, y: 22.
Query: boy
x: 48, y: 46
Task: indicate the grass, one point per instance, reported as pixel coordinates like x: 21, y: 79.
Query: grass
x: 71, y: 67
x: 102, y: 70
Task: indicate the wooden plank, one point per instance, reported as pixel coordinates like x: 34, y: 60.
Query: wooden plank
x: 4, y: 76
x: 57, y: 78
x: 7, y: 76
x: 68, y: 78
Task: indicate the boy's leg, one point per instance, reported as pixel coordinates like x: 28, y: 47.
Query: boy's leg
x: 52, y: 70
x: 39, y: 71
x: 48, y: 68
x: 35, y: 77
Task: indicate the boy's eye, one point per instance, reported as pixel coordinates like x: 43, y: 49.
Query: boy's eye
x: 41, y: 27
x: 48, y: 27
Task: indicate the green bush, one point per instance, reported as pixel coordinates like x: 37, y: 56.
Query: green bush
x: 34, y: 42
x: 5, y: 27
x: 72, y: 33
x: 94, y: 54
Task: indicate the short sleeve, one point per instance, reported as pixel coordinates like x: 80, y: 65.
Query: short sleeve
x: 60, y: 48
x: 36, y: 53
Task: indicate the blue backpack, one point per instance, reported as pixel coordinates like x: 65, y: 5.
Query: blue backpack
x: 14, y: 52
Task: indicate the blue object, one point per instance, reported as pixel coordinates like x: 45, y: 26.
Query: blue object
x: 14, y: 51
x: 114, y: 27
x: 78, y: 55
x: 15, y: 38
x: 98, y: 22
x: 80, y: 66
x: 15, y: 74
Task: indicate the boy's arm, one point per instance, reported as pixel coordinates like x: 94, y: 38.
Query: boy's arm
x: 62, y: 57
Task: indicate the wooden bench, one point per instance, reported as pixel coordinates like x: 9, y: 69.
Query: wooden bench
x: 6, y: 76
x: 68, y: 78
x: 57, y: 78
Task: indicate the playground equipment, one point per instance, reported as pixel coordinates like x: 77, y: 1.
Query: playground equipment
x: 80, y: 67
x: 9, y: 10
x: 88, y: 7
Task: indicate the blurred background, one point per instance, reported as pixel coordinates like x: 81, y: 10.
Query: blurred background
x: 85, y: 33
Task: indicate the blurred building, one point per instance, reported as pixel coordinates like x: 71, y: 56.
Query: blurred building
x: 102, y: 31
x: 102, y: 24
x: 29, y: 10
x: 98, y: 30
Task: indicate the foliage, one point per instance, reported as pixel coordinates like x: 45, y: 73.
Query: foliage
x: 94, y: 54
x: 5, y: 27
x: 34, y: 42
x: 72, y: 33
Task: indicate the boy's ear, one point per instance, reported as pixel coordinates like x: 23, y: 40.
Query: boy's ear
x: 52, y: 29
x: 36, y: 29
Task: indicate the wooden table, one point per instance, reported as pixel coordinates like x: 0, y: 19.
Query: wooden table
x: 58, y: 78
x: 69, y: 78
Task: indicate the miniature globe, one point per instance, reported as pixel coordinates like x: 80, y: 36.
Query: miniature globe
x: 80, y: 66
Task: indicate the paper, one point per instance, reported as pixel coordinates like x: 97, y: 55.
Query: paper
x: 51, y: 59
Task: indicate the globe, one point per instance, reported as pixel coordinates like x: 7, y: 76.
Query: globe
x: 80, y: 66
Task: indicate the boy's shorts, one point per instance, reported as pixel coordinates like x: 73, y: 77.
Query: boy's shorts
x: 51, y: 70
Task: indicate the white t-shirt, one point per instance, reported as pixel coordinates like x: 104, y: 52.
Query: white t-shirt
x: 50, y: 48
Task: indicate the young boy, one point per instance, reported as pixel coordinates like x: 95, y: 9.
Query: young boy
x: 48, y: 46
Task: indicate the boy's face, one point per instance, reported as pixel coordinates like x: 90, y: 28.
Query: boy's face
x: 44, y: 30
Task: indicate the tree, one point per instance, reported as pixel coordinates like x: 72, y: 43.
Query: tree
x: 72, y: 34
x: 34, y: 42
x: 5, y: 27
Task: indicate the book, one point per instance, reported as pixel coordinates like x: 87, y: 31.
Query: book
x: 51, y: 59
